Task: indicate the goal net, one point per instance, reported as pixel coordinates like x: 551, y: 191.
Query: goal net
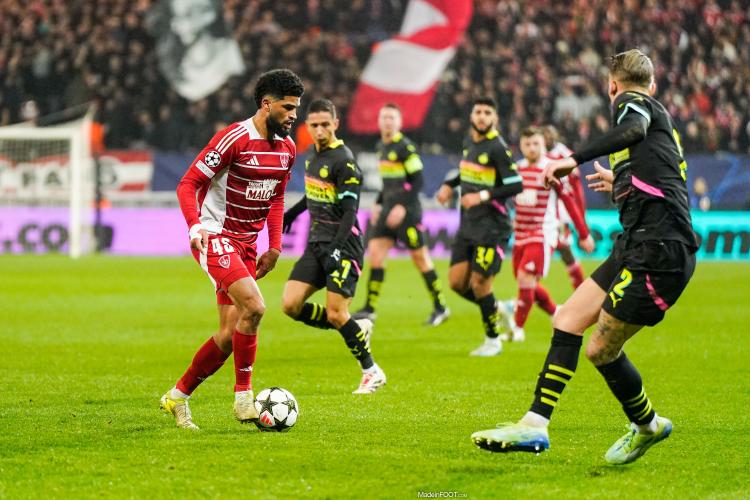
x: 47, y: 188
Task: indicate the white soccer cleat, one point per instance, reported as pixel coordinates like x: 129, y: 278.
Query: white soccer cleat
x: 490, y: 347
x: 517, y: 334
x: 371, y: 381
x: 438, y: 317
x: 513, y: 437
x: 179, y: 409
x: 244, y: 407
x: 505, y: 318
x: 365, y: 313
x: 366, y: 326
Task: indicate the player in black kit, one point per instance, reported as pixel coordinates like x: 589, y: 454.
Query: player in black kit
x: 334, y: 253
x: 650, y: 265
x: 488, y: 178
x: 398, y: 215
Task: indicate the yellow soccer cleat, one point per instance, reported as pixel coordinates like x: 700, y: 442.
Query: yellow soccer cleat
x: 179, y: 409
x: 634, y: 444
x: 244, y: 407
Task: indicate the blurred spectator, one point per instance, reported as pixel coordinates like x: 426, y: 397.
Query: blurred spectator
x: 542, y: 60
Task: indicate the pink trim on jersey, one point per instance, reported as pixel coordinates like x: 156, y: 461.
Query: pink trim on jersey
x: 500, y: 207
x: 647, y: 188
x: 652, y: 291
x: 501, y: 252
x: 355, y: 231
x: 356, y: 266
x: 407, y: 186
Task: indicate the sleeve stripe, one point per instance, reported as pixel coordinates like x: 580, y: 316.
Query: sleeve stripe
x: 229, y: 139
x: 413, y: 163
x: 226, y: 136
x: 347, y: 193
x: 637, y: 109
x: 512, y: 180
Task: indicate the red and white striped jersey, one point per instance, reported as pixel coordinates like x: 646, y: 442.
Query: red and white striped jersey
x: 237, y: 182
x: 559, y: 151
x: 572, y: 182
x: 537, y: 218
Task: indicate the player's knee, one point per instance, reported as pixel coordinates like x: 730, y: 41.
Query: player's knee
x: 422, y: 260
x: 601, y: 354
x: 337, y: 317
x: 252, y: 309
x: 457, y: 285
x: 526, y: 280
x: 291, y: 307
x: 481, y: 287
x: 377, y: 257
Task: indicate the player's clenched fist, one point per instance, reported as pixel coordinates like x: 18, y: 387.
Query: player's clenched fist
x: 444, y: 194
x: 267, y: 262
x: 199, y: 238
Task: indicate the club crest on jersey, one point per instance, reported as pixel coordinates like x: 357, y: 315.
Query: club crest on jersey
x: 261, y: 190
x: 224, y: 261
x: 284, y: 160
x: 212, y: 159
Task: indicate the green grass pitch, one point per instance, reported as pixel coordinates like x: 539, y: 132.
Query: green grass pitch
x: 87, y: 348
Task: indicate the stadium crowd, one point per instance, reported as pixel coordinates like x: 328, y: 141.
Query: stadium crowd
x: 542, y: 60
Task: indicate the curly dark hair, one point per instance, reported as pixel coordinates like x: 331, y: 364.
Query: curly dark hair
x: 278, y: 83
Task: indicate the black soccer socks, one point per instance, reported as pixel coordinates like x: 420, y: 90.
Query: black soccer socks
x: 626, y: 384
x: 377, y: 274
x: 489, y: 314
x: 558, y: 370
x: 357, y: 343
x: 435, y: 288
x: 314, y: 315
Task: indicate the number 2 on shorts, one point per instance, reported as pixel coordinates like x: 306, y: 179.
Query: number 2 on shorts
x: 485, y: 256
x: 619, y: 289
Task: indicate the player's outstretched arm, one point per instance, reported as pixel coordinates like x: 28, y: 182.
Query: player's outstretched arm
x: 631, y: 130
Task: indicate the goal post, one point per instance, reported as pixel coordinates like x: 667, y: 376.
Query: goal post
x: 44, y: 167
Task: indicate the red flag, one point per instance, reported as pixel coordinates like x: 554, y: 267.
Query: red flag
x: 406, y: 69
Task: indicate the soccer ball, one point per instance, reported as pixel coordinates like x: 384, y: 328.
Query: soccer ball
x: 277, y: 409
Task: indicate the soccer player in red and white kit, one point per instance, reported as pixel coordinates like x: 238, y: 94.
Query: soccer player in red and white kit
x: 536, y: 226
x: 232, y: 189
x: 571, y: 184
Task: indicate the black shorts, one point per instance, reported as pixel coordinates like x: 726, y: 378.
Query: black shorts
x: 343, y: 281
x: 644, y: 280
x: 410, y: 232
x: 486, y: 258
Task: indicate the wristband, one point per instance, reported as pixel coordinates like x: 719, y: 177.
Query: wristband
x: 194, y: 231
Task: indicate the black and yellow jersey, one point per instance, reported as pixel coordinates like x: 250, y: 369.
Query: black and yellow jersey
x: 488, y: 165
x: 401, y: 170
x: 330, y: 176
x: 650, y: 186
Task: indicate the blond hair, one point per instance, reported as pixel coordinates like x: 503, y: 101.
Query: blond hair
x: 632, y: 67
